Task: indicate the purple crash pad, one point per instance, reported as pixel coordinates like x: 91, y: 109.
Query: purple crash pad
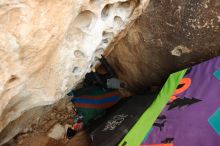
x: 184, y: 121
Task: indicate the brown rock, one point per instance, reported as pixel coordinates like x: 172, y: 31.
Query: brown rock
x: 40, y: 140
x: 80, y: 139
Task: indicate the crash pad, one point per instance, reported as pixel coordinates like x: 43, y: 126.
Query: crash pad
x: 192, y: 119
x: 145, y: 122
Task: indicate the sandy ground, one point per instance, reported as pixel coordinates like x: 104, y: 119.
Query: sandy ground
x: 37, y: 134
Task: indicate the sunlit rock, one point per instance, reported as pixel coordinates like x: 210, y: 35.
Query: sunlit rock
x: 46, y: 47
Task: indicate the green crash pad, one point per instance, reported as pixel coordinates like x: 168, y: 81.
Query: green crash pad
x: 144, y: 124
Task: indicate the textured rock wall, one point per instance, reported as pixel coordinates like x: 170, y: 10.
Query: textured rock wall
x: 169, y: 35
x: 46, y: 46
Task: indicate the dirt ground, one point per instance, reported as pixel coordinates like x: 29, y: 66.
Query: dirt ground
x: 37, y: 134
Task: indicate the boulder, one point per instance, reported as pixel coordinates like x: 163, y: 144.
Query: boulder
x: 46, y: 47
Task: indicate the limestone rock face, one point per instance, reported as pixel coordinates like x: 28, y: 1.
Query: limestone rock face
x: 46, y: 46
